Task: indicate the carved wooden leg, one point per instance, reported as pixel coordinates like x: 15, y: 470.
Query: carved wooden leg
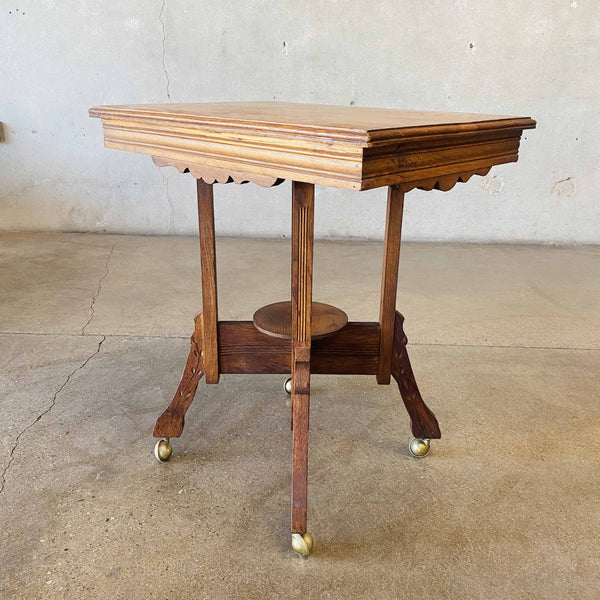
x: 302, y: 254
x: 422, y: 420
x: 204, y: 353
x: 170, y: 423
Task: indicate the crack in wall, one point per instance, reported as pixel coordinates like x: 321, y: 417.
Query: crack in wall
x: 45, y: 412
x: 164, y: 48
x: 168, y: 86
x: 98, y: 290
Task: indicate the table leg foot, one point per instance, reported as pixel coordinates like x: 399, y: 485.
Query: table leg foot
x: 419, y: 447
x: 170, y: 423
x: 423, y: 423
x: 302, y: 543
x: 163, y: 450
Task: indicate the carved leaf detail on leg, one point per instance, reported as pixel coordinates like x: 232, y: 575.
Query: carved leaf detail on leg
x: 422, y: 420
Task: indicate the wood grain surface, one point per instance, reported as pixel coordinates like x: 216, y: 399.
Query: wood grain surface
x: 313, y: 119
x: 303, y: 213
x: 208, y: 260
x: 354, y: 350
x: 276, y: 320
x: 341, y: 146
x: 389, y: 281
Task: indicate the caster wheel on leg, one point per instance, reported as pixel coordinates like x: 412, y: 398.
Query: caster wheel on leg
x: 418, y: 447
x: 163, y: 450
x: 302, y: 543
x: 287, y: 386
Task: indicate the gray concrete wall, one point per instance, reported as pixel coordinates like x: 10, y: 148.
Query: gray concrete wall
x: 538, y: 58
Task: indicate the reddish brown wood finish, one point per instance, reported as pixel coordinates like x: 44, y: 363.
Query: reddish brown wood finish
x: 347, y: 147
x: 389, y: 281
x: 303, y: 199
x: 244, y: 349
x: 170, y: 423
x: 206, y: 223
x: 422, y: 421
x: 354, y: 350
x: 302, y: 266
x: 276, y: 320
x: 300, y: 416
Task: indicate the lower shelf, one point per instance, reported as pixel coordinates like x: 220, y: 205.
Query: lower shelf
x: 276, y: 320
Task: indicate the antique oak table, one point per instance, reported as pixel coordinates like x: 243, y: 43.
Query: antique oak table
x: 348, y: 147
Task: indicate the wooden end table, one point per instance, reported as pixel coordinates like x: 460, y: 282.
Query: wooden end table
x: 348, y: 147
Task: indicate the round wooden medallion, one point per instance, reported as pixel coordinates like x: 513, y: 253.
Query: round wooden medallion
x: 276, y: 320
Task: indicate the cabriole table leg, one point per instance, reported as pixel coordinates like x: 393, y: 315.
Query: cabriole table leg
x: 203, y: 358
x: 393, y: 358
x: 170, y: 423
x: 423, y: 423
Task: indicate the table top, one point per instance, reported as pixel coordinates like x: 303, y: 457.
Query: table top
x: 342, y: 146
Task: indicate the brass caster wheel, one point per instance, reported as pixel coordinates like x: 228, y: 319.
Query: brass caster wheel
x: 163, y: 450
x: 418, y: 447
x: 302, y: 543
x: 287, y: 386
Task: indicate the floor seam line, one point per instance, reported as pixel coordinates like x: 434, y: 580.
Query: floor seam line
x: 108, y: 335
x: 186, y: 337
x: 499, y: 346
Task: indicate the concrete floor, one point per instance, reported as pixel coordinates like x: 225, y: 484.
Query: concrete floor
x: 505, y: 342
